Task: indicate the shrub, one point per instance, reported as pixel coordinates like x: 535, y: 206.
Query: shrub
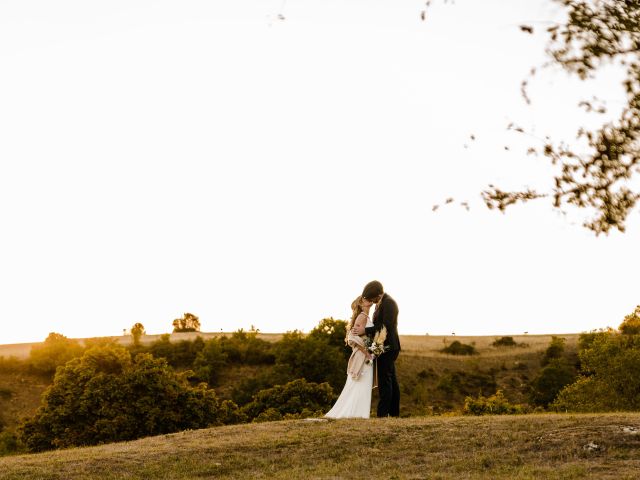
x: 246, y: 348
x: 210, y: 361
x: 496, y: 404
x: 8, y: 443
x: 631, y: 323
x: 550, y: 381
x: 334, y: 332
x: 296, y: 399
x: 458, y: 348
x: 55, y: 351
x: 106, y: 396
x: 311, y: 358
x: 181, y: 354
x: 610, y: 378
x: 554, y: 351
x: 5, y: 393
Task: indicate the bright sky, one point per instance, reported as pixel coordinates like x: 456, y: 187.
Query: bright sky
x: 161, y: 157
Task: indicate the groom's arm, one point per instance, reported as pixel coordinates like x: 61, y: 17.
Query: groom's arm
x: 390, y: 315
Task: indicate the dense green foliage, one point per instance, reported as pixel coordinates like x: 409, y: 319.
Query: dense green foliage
x: 296, y: 399
x: 631, y: 323
x: 610, y: 375
x: 557, y: 373
x: 55, y: 351
x: 106, y: 396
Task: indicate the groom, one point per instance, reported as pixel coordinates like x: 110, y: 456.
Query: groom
x: 386, y: 314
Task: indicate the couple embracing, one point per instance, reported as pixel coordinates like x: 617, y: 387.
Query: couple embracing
x: 375, y: 348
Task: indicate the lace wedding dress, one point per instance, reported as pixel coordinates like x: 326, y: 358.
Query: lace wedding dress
x: 355, y: 399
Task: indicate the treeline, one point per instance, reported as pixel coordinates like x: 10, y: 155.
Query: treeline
x: 104, y: 392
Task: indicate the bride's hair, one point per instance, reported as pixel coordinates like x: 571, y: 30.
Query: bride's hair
x: 356, y: 309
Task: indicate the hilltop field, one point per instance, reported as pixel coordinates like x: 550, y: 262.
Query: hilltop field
x: 509, y: 447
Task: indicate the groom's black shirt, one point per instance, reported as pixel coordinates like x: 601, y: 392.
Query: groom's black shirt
x: 386, y: 314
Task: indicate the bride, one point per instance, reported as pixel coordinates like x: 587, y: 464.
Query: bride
x: 355, y: 399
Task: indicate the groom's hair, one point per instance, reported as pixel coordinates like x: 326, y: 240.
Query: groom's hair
x: 372, y: 290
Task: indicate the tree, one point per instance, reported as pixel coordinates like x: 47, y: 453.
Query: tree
x: 311, y: 358
x: 136, y: 332
x: 610, y: 378
x: 296, y: 399
x: 210, y: 361
x: 55, y: 351
x: 107, y: 396
x: 188, y: 323
x: 631, y: 323
x: 596, y: 33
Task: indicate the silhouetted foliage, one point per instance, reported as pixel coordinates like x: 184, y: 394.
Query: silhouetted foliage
x: 631, y: 323
x: 55, y: 351
x: 458, y: 348
x: 188, y: 323
x: 136, y: 332
x: 598, y: 172
x: 507, y: 342
x: 296, y: 399
x: 106, y: 396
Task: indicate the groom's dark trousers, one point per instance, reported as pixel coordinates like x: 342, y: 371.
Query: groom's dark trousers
x: 388, y: 389
x: 386, y: 315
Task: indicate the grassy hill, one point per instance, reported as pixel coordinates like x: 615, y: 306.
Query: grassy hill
x: 510, y: 447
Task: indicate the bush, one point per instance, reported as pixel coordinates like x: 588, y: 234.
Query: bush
x: 311, y: 358
x: 554, y: 351
x: 105, y: 396
x: 610, y: 378
x: 334, y: 332
x: 631, y: 323
x: 180, y: 354
x: 550, y: 381
x: 210, y: 361
x: 55, y: 351
x: 297, y: 399
x: 8, y: 443
x: 246, y: 348
x: 496, y: 404
x: 457, y: 348
x: 507, y: 342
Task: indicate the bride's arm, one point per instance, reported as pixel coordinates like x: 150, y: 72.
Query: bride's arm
x: 361, y: 321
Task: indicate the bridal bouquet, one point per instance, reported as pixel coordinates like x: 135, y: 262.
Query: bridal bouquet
x: 376, y: 346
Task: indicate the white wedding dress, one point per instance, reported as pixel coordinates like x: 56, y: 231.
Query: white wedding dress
x: 355, y: 399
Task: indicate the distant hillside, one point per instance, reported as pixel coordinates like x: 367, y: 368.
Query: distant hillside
x: 510, y: 447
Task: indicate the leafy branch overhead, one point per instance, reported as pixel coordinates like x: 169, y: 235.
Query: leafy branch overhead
x: 596, y: 33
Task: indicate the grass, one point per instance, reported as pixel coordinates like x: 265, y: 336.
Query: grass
x: 510, y: 447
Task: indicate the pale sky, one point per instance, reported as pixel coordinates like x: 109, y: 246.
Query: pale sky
x: 163, y: 157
